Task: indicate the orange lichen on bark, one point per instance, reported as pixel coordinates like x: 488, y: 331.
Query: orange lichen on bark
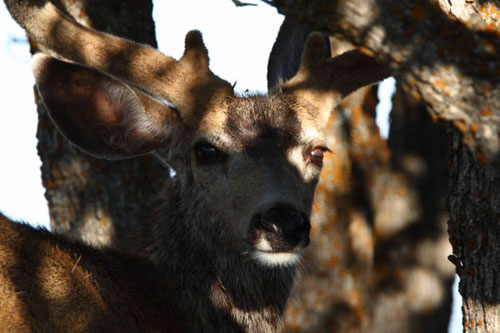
x: 460, y: 125
x: 416, y: 95
x: 366, y: 51
x: 82, y: 13
x: 292, y: 309
x: 488, y: 11
x: 337, y: 173
x: 485, y: 112
x: 440, y: 83
x: 330, y: 224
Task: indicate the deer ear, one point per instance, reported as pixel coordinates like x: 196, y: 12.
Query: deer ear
x: 285, y: 57
x: 98, y: 113
x: 312, y: 84
x: 322, y: 82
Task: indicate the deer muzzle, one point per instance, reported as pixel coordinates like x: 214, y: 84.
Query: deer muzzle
x: 279, y: 234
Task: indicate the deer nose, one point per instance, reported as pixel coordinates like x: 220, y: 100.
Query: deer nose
x: 285, y: 227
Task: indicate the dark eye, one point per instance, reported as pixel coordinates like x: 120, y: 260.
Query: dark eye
x: 316, y: 155
x: 207, y: 154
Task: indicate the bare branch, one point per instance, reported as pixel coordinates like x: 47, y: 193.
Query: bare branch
x: 242, y: 4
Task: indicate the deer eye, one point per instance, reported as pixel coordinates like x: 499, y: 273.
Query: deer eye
x: 316, y: 155
x: 207, y: 154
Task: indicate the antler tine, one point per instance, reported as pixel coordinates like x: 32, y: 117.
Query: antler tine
x: 134, y: 63
x: 322, y: 82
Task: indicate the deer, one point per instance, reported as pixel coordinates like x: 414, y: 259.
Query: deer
x: 221, y: 250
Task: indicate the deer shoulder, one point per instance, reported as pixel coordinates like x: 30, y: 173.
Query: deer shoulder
x: 48, y: 283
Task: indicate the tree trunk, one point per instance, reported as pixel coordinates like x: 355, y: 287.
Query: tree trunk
x: 444, y: 53
x: 474, y: 204
x: 96, y: 200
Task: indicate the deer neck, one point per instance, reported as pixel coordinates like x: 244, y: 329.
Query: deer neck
x: 220, y: 285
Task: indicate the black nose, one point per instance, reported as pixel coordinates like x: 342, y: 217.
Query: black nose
x: 285, y: 227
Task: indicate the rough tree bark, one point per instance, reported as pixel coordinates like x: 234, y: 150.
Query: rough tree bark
x: 444, y: 53
x: 95, y: 200
x: 474, y: 204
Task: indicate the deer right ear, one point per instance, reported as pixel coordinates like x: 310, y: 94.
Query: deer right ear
x: 100, y: 114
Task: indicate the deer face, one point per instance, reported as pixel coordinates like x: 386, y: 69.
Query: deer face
x: 256, y: 161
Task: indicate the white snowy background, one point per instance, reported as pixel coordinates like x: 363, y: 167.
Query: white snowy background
x: 238, y: 39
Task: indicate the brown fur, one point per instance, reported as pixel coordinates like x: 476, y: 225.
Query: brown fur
x: 49, y: 284
x: 220, y: 252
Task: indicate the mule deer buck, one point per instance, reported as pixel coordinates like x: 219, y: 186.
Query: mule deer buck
x: 221, y: 254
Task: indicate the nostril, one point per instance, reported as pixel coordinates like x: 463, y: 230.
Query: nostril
x: 284, y: 219
x: 268, y: 224
x: 280, y: 229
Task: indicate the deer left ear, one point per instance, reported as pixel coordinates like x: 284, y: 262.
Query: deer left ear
x: 99, y: 114
x: 322, y: 82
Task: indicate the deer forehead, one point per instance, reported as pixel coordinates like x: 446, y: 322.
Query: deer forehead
x: 244, y: 122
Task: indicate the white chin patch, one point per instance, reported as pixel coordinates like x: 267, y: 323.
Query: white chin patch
x: 276, y: 258
x: 264, y: 254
